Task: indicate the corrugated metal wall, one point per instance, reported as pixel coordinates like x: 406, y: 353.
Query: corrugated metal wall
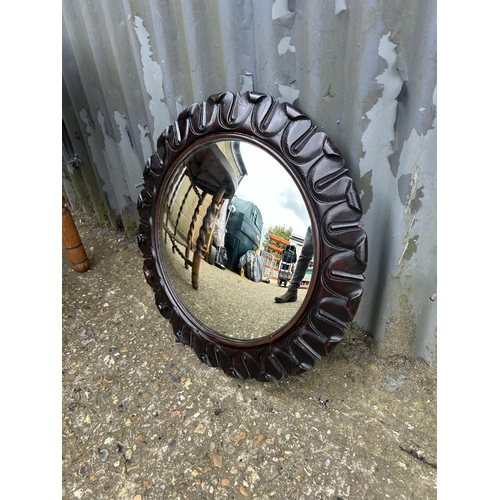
x: 364, y: 72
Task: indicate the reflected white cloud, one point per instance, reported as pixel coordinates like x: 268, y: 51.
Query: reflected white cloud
x: 271, y: 188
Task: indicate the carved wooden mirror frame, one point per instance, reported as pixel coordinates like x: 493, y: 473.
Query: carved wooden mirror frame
x: 315, y: 164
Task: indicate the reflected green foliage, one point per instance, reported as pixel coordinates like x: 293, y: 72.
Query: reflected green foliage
x: 280, y: 231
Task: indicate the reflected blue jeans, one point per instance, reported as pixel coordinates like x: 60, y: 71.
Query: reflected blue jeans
x: 305, y: 258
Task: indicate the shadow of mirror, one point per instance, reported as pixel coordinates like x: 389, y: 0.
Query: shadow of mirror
x: 228, y: 210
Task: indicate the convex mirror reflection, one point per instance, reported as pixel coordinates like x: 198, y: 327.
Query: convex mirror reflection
x: 220, y: 204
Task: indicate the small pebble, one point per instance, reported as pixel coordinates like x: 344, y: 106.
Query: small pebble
x: 260, y: 437
x: 200, y: 429
x: 239, y: 437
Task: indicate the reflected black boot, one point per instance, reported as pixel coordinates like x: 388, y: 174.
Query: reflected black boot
x: 289, y: 296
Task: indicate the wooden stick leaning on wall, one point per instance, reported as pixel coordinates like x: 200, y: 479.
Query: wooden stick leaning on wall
x: 72, y: 242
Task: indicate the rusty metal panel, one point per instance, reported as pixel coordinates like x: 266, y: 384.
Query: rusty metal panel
x: 365, y: 72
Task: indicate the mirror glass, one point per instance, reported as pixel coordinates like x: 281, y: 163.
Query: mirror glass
x: 220, y: 247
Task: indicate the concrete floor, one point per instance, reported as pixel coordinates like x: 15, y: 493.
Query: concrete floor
x: 144, y: 418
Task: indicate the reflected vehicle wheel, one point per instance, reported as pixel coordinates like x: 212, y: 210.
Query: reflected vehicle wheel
x: 211, y: 257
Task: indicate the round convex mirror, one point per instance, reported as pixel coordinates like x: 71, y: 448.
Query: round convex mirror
x: 242, y: 268
x: 227, y: 170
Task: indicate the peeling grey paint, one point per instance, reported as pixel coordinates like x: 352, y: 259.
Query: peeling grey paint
x: 410, y: 248
x: 283, y: 14
x: 417, y: 66
x: 400, y: 230
x: 133, y: 167
x: 113, y: 160
x: 412, y: 194
x: 404, y: 183
x: 145, y: 140
x: 288, y: 93
x: 284, y: 46
x: 153, y: 80
x: 97, y: 153
x: 365, y: 189
x: 379, y: 134
x: 246, y: 83
x: 340, y: 5
x: 280, y: 9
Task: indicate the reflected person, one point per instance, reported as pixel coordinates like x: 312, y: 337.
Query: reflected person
x: 301, y: 268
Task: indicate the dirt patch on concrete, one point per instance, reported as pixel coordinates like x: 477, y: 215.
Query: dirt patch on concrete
x: 143, y: 417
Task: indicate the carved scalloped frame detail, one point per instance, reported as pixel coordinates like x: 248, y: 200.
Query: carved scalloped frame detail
x: 341, y: 251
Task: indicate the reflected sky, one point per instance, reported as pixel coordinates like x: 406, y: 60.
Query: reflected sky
x: 271, y: 188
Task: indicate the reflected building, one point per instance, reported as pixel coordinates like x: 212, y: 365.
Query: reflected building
x: 207, y: 177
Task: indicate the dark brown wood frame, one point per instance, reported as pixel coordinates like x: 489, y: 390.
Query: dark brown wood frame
x: 341, y: 250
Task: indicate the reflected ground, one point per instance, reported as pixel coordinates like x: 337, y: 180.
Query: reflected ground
x: 229, y: 304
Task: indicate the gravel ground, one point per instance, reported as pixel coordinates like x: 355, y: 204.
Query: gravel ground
x: 232, y: 305
x: 143, y: 418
